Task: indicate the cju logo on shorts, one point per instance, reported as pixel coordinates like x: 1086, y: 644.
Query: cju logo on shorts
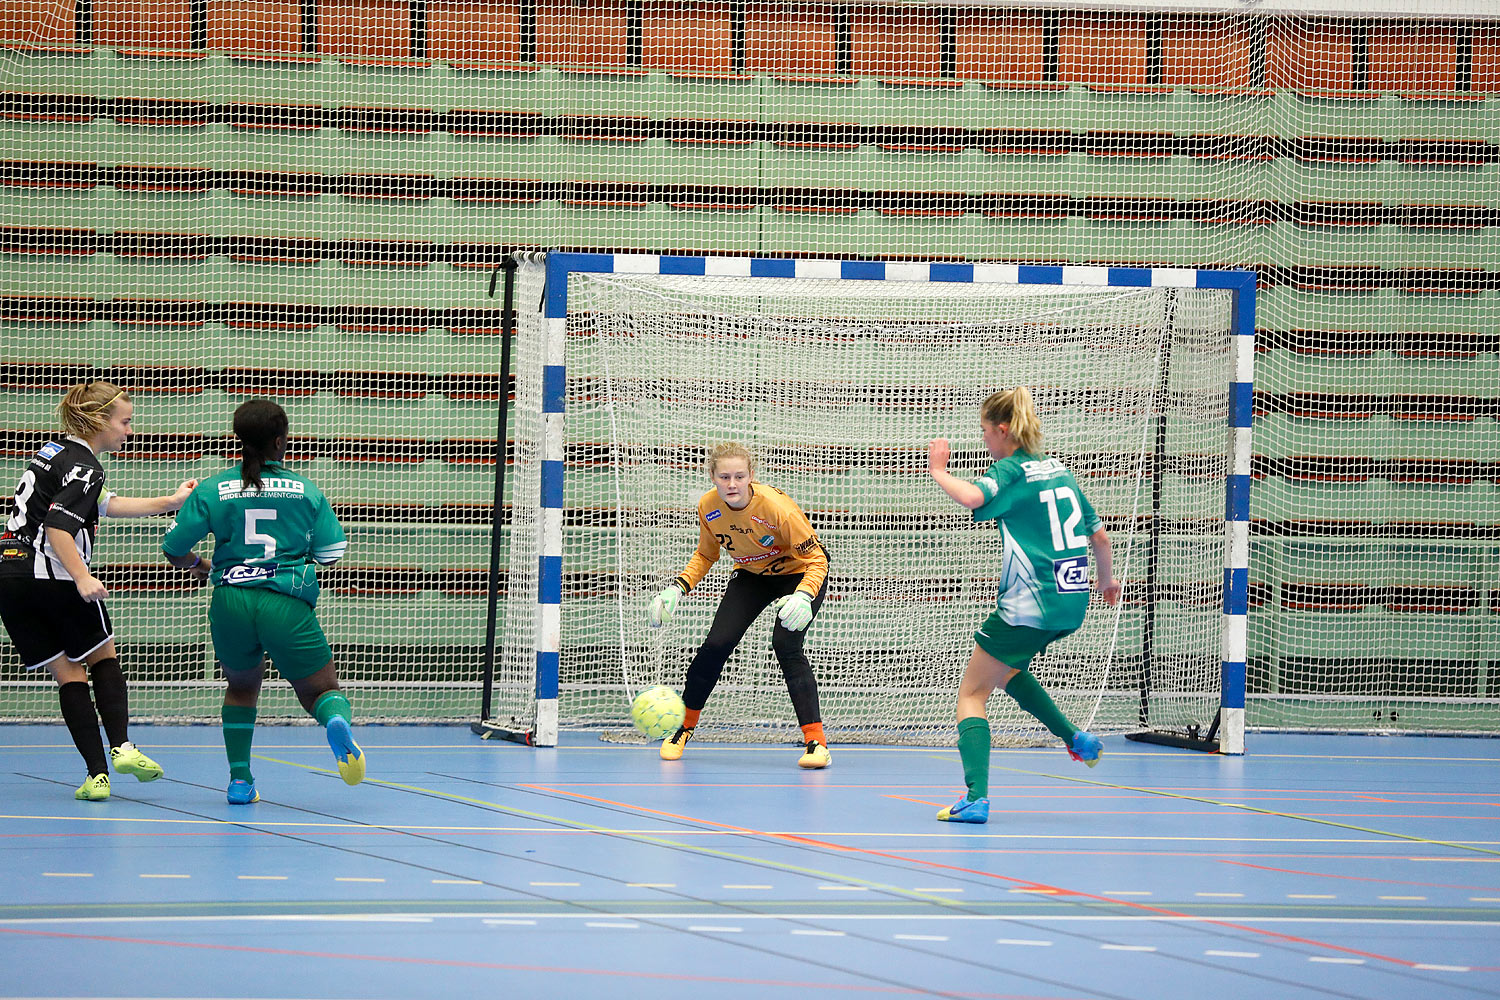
x: 239, y: 575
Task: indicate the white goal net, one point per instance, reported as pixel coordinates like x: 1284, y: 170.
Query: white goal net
x: 837, y: 386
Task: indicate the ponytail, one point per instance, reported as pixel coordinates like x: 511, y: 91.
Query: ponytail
x: 85, y: 407
x: 257, y: 423
x: 1016, y: 408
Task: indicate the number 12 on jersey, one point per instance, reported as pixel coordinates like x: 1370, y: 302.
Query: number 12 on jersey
x: 1064, y: 535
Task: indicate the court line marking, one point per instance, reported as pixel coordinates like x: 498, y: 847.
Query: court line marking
x: 369, y: 828
x: 896, y: 890
x: 1411, y: 838
x: 489, y: 966
x: 781, y: 748
x: 826, y: 845
x: 533, y: 918
x: 658, y: 838
x: 1356, y: 878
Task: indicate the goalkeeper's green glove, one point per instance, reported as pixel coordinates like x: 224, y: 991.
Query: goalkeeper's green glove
x: 795, y: 611
x: 663, y: 604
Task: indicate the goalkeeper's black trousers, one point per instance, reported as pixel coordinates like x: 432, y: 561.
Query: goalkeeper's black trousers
x: 746, y: 596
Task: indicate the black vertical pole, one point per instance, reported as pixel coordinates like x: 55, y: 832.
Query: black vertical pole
x: 198, y: 24
x: 83, y: 23
x: 635, y: 33
x: 1051, y: 46
x: 1153, y: 542
x: 1258, y: 74
x: 1463, y: 72
x: 1359, y: 71
x: 418, y: 29
x: 1155, y: 52
x: 527, y: 29
x: 737, y: 60
x: 508, y: 324
x: 843, y: 41
x: 948, y: 44
x: 310, y: 26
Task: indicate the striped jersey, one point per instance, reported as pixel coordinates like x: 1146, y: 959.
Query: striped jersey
x: 62, y: 487
x: 1046, y: 521
x: 770, y: 536
x: 270, y: 537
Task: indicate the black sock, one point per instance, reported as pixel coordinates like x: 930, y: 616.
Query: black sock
x: 78, y: 713
x: 113, y: 701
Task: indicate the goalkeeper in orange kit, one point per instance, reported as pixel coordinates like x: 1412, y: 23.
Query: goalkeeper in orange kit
x: 778, y: 562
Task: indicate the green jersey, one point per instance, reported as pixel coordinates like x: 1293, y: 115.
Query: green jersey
x: 268, y: 538
x: 1046, y: 521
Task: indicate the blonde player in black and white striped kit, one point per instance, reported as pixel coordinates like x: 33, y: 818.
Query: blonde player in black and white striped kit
x: 52, y: 605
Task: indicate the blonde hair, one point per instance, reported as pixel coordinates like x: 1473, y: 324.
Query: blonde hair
x: 1016, y: 408
x: 85, y: 407
x: 729, y: 449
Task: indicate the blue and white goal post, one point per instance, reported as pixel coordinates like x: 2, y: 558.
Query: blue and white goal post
x: 836, y: 374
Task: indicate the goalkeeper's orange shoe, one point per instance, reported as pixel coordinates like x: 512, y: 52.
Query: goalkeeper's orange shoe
x: 816, y: 755
x: 672, y: 748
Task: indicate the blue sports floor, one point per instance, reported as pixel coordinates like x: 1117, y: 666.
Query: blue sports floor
x: 1316, y: 867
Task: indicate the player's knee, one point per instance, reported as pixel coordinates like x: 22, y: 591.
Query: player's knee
x: 788, y: 647
x: 712, y: 655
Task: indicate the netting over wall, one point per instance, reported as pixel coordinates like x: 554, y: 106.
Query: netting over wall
x: 208, y: 201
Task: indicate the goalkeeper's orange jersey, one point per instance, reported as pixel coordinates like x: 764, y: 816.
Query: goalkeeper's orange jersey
x: 771, y: 536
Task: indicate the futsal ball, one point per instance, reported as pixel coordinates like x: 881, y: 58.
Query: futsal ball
x: 657, y: 711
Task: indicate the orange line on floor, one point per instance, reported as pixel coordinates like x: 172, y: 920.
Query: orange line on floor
x: 1023, y: 883
x: 1360, y: 878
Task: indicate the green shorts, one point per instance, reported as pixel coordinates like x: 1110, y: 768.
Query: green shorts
x: 1015, y: 645
x: 249, y: 622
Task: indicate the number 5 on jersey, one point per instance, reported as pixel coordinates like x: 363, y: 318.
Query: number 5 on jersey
x: 255, y: 515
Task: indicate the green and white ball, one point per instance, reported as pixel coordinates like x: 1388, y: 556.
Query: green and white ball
x: 657, y: 711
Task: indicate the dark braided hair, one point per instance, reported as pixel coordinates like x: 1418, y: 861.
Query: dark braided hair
x: 257, y: 423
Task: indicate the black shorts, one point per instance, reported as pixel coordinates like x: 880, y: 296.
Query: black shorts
x: 47, y: 618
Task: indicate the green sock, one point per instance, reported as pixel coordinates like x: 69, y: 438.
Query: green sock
x: 1030, y: 696
x: 329, y: 704
x: 974, y: 751
x: 239, y: 731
